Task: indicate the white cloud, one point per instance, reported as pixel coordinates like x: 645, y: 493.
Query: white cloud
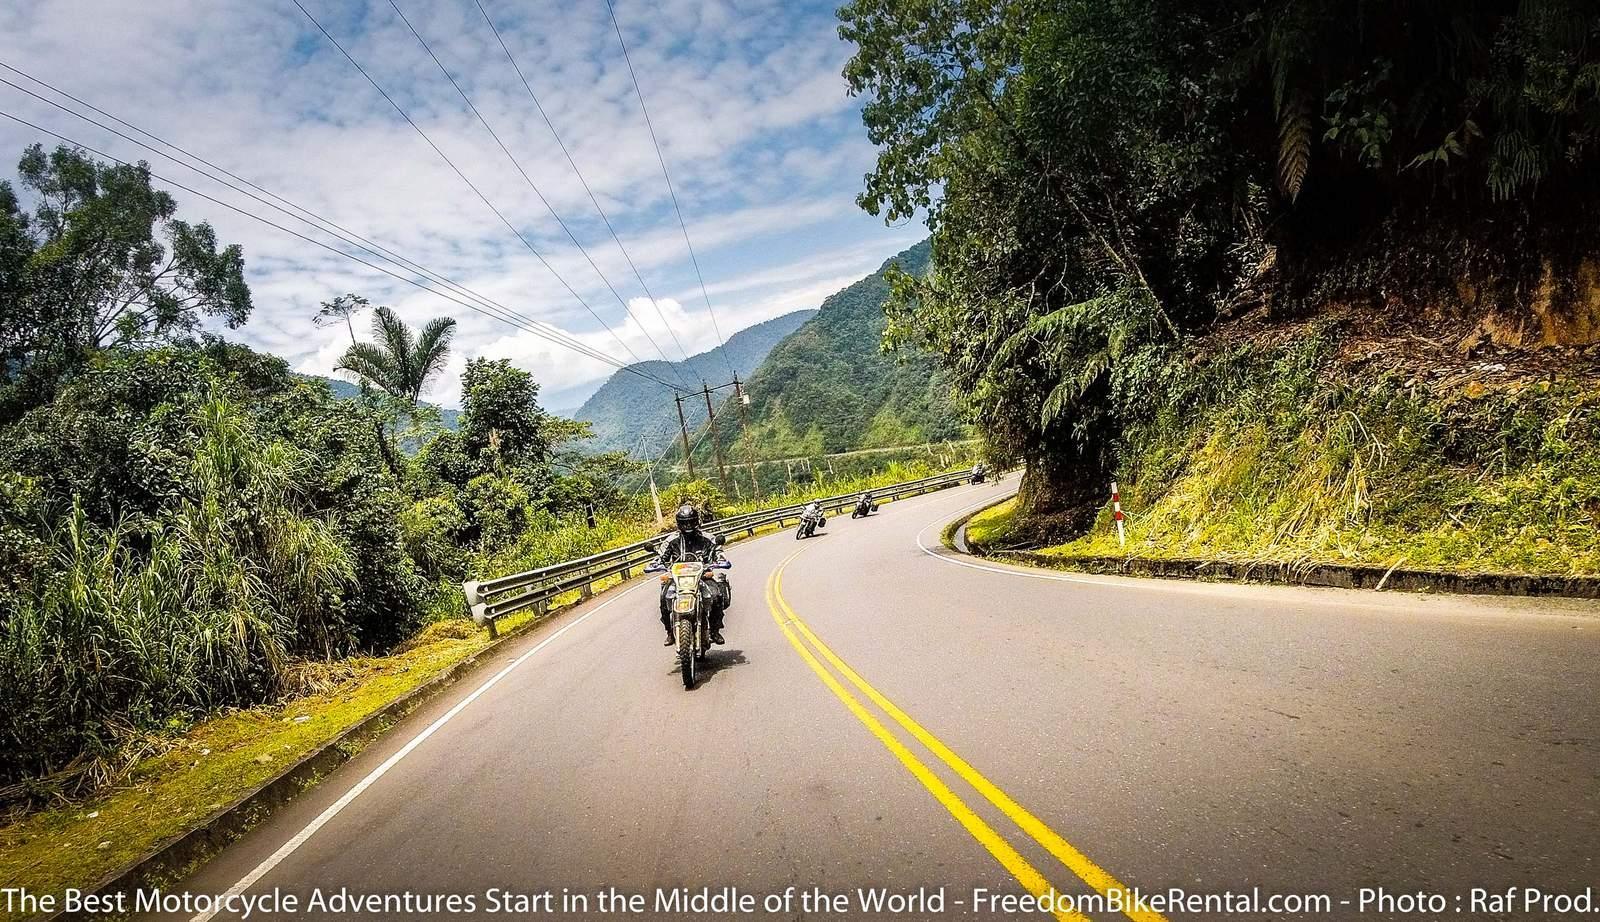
x: 745, y: 97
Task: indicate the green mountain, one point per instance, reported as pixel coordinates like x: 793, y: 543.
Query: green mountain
x: 829, y: 388
x: 629, y: 412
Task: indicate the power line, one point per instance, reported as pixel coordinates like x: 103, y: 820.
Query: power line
x: 532, y: 185
x: 721, y: 344
x: 599, y: 356
x: 309, y: 217
x: 593, y: 199
x: 436, y: 149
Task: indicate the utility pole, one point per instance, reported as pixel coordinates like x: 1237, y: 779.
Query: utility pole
x: 716, y: 447
x: 743, y: 401
x: 683, y: 427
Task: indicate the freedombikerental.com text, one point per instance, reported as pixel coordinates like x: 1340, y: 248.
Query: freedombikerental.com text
x: 731, y: 901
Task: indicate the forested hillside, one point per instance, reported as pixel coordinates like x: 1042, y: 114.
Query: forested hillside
x: 627, y: 408
x: 1306, y: 276
x: 830, y: 387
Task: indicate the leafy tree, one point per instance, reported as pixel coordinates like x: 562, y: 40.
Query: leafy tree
x: 400, y: 362
x: 101, y: 263
x: 342, y: 309
x: 502, y: 425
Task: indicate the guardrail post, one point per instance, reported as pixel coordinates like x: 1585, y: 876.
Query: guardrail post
x: 476, y: 606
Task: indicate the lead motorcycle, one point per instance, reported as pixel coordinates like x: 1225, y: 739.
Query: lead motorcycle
x: 811, y: 519
x: 691, y: 586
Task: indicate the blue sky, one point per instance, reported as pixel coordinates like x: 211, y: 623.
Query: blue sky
x: 765, y: 148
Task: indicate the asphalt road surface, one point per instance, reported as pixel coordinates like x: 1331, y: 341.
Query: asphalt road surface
x: 890, y: 716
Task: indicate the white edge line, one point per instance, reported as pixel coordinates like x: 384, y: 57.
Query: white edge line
x: 1055, y: 577
x: 288, y: 848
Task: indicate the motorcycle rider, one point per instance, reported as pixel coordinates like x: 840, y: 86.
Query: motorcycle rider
x: 979, y: 472
x: 692, y: 543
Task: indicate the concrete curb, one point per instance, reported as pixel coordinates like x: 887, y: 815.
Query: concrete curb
x: 1338, y: 576
x: 954, y: 534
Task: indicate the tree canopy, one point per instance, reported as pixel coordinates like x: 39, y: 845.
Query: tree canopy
x: 1106, y: 177
x: 102, y: 261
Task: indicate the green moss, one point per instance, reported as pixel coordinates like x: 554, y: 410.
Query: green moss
x: 988, y: 529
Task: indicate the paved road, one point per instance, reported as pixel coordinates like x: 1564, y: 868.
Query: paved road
x: 886, y: 716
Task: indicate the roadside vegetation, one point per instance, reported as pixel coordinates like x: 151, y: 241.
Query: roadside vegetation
x: 180, y: 778
x: 1313, y: 279
x: 1316, y: 448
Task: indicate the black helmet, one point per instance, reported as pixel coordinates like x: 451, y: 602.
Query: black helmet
x: 688, y: 518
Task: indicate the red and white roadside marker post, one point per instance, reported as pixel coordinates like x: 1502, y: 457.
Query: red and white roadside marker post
x: 1116, y: 513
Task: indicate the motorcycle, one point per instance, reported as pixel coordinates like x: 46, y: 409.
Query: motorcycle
x: 979, y: 474
x: 691, y: 600
x: 864, y: 507
x: 810, y: 520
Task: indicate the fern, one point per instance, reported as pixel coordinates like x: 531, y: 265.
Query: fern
x: 1294, y: 147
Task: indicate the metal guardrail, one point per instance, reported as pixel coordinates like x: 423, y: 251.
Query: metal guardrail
x: 492, y: 599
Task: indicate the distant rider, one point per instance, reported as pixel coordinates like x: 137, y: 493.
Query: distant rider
x: 692, y: 543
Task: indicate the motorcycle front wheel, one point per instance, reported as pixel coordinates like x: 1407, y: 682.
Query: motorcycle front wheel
x: 686, y: 651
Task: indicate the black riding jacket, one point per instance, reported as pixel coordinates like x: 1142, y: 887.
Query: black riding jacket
x: 695, y: 543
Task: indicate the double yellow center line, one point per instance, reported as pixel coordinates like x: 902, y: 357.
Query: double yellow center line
x: 815, y: 652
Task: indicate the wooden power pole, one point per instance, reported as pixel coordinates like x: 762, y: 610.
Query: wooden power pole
x: 743, y: 401
x: 716, y: 447
x: 683, y: 427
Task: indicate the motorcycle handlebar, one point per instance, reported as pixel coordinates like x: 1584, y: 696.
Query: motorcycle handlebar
x: 721, y: 565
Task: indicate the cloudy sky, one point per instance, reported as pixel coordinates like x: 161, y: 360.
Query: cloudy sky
x: 766, y: 152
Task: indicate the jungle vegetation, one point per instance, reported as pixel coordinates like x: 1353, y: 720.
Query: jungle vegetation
x: 1109, y: 183
x: 184, y: 521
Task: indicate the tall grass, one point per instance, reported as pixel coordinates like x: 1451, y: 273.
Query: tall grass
x: 1287, y: 456
x: 134, y: 630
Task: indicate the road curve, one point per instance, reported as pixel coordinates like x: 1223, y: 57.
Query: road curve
x: 889, y: 715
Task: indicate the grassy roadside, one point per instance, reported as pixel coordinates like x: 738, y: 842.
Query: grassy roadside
x: 215, y: 764
x: 1298, y: 453
x: 222, y: 759
x: 988, y: 527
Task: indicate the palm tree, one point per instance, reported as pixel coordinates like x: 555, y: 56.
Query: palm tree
x: 400, y: 363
